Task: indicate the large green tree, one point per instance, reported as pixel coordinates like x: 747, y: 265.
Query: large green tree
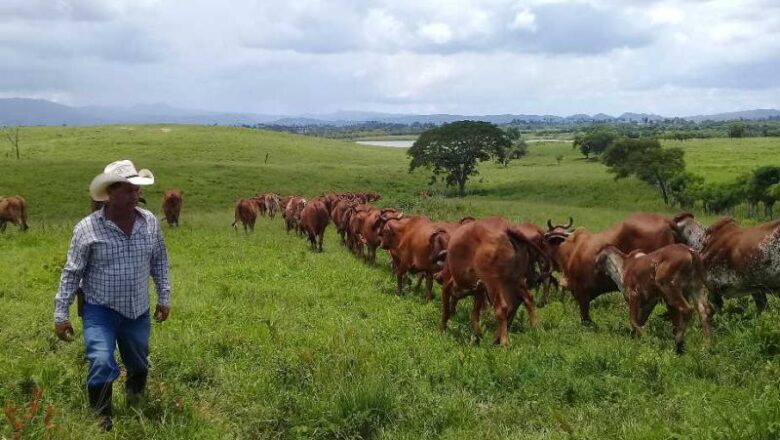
x: 597, y: 139
x: 452, y: 151
x: 647, y: 160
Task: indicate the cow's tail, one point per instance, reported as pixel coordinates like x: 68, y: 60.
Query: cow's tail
x: 23, y: 214
x: 518, y: 240
x: 437, y: 247
x: 237, y: 217
x: 700, y: 274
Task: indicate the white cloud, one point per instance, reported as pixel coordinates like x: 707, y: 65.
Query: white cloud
x: 438, y: 33
x: 524, y: 19
x: 460, y: 56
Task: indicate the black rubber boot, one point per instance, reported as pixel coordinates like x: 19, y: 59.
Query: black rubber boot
x: 100, y: 401
x: 136, y: 383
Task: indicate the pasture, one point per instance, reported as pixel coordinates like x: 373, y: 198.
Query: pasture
x: 269, y: 340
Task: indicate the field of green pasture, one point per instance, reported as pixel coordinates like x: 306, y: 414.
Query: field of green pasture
x: 269, y: 340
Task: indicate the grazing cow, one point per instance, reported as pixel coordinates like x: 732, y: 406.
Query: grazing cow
x: 172, y: 200
x: 738, y: 260
x: 490, y: 258
x: 271, y: 202
x: 246, y: 213
x: 314, y: 219
x: 575, y: 252
x: 13, y: 209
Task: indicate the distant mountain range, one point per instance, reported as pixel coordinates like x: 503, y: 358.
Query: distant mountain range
x: 22, y: 111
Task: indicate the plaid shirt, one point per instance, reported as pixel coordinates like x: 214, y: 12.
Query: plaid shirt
x: 113, y: 269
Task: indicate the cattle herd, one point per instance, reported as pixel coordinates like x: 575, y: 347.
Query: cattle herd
x: 648, y: 257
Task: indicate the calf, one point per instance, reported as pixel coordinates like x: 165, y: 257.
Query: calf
x: 172, y: 200
x: 314, y: 220
x: 13, y: 209
x: 674, y: 273
x: 246, y: 213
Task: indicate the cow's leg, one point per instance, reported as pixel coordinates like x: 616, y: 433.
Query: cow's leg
x: 545, y: 292
x: 419, y: 281
x: 428, y: 285
x: 528, y: 301
x: 681, y: 314
x: 401, y: 278
x: 646, y: 309
x: 584, y: 303
x: 476, y: 311
x: 3, y: 225
x: 320, y: 239
x: 634, y: 308
x: 446, y: 292
x: 502, y: 309
x: 717, y: 300
x: 760, y: 299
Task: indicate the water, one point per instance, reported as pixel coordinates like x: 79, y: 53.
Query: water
x: 394, y: 144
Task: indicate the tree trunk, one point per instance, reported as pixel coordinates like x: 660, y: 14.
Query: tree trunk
x: 662, y: 185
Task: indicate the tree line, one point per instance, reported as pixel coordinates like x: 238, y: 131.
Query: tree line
x: 665, y: 169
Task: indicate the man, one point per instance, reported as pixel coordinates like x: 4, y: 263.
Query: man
x: 113, y: 252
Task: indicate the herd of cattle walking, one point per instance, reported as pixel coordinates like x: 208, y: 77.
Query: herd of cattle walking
x: 648, y: 257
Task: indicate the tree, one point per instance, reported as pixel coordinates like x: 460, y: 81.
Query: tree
x: 758, y: 186
x: 595, y: 140
x: 685, y: 188
x: 736, y: 130
x: 454, y: 149
x: 647, y: 160
x: 518, y: 148
x: 12, y: 134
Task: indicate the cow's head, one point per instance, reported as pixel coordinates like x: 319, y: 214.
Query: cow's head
x: 556, y: 234
x: 688, y: 230
x: 385, y: 215
x: 388, y: 232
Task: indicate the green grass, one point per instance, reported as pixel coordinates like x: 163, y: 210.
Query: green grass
x: 268, y: 340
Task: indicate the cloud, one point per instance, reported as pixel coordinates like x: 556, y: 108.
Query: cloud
x: 459, y: 56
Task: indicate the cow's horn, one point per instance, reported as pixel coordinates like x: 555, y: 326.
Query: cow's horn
x: 571, y: 222
x: 549, y: 224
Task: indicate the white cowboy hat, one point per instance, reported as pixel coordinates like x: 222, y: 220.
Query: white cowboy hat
x: 119, y: 171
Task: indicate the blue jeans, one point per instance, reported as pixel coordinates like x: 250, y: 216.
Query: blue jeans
x: 104, y: 329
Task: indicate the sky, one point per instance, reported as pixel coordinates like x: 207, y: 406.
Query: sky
x: 674, y: 58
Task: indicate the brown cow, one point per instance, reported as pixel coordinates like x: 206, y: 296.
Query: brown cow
x: 674, y: 273
x: 314, y: 219
x: 172, y: 200
x: 575, y: 253
x: 13, y: 209
x: 413, y: 244
x: 357, y: 218
x: 491, y: 259
x: 246, y: 213
x: 738, y: 260
x: 369, y: 231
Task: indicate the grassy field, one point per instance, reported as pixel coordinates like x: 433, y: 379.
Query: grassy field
x: 268, y: 340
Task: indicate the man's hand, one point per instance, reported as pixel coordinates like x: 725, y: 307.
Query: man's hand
x: 161, y: 313
x: 64, y: 331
